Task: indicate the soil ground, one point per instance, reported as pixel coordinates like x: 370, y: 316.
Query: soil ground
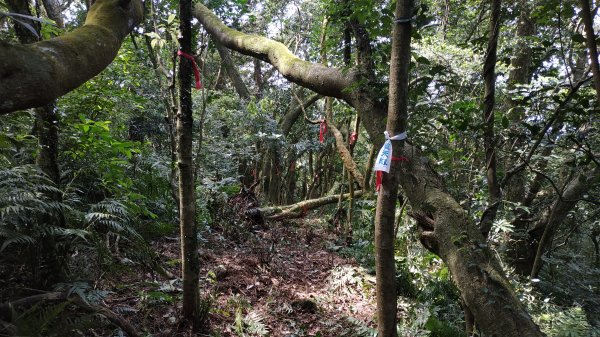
x: 286, y: 281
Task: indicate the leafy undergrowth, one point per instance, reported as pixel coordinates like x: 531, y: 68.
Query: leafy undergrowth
x: 284, y: 281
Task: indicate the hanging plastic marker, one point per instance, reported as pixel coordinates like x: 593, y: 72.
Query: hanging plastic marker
x: 322, y: 130
x: 195, y: 67
x: 384, y: 158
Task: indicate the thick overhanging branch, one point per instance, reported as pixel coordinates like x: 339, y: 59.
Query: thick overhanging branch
x: 349, y: 85
x: 317, y: 77
x: 35, y: 74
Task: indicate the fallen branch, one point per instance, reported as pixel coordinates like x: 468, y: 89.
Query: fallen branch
x: 6, y: 309
x: 300, y: 209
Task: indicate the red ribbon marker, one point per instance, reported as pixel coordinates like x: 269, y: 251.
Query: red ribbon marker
x: 379, y: 174
x: 196, y: 71
x: 322, y: 130
x: 353, y: 138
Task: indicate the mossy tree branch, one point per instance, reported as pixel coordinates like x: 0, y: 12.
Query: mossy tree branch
x: 35, y: 74
x: 327, y: 81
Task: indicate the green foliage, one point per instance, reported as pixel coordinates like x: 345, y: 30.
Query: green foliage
x: 25, y: 208
x: 442, y: 329
x: 567, y: 322
x: 94, y: 143
x: 156, y: 297
x: 39, y: 320
x: 111, y: 216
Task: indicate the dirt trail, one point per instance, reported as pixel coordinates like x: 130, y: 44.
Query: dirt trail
x: 285, y: 281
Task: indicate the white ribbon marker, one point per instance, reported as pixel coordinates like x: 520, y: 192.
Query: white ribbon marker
x: 384, y: 158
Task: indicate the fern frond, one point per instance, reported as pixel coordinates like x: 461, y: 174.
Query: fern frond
x: 15, y: 237
x: 59, y: 231
x: 11, y: 210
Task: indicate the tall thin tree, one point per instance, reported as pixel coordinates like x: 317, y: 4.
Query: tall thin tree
x: 187, y: 215
x: 489, y: 138
x: 386, y: 200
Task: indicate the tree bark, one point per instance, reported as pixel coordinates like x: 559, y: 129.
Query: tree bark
x: 54, y: 67
x: 346, y: 156
x: 387, y: 196
x: 590, y: 39
x: 234, y: 75
x: 489, y: 138
x: 299, y: 209
x: 187, y: 200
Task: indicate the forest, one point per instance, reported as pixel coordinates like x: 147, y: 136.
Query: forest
x: 299, y: 168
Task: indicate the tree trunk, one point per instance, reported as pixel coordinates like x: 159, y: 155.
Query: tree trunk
x: 387, y: 197
x: 345, y: 154
x: 489, y: 138
x: 51, y: 262
x: 446, y: 230
x: 187, y: 200
x: 275, y: 175
x: 572, y: 193
x: 52, y: 8
x: 369, y: 167
x: 24, y: 35
x: 54, y: 260
x: 590, y: 39
x: 519, y: 75
x: 258, y: 78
